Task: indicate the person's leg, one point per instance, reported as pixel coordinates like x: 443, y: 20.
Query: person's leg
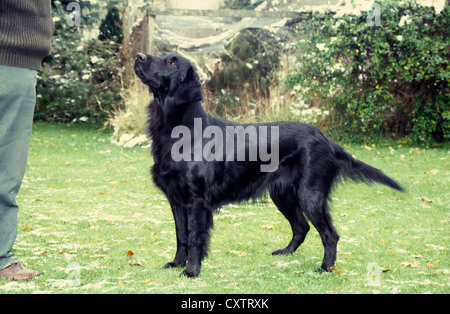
x: 17, y: 102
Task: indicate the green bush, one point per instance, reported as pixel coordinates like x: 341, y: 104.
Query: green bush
x: 247, y: 70
x: 385, y: 79
x: 81, y: 78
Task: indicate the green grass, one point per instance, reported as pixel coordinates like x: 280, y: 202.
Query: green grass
x: 85, y: 203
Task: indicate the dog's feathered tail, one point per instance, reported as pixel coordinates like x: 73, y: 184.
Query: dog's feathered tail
x: 357, y: 170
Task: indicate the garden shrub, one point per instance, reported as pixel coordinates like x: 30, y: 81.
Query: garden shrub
x: 247, y: 70
x: 390, y: 78
x: 81, y: 79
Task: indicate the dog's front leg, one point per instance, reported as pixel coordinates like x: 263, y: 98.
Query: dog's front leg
x: 200, y: 221
x: 181, y: 223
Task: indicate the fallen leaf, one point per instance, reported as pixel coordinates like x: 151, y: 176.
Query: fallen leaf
x: 336, y: 271
x: 99, y: 256
x: 426, y: 200
x: 149, y: 281
x: 27, y: 228
x: 299, y: 271
x: 429, y: 265
x: 417, y: 256
x: 239, y: 253
x: 268, y: 226
x: 130, y: 253
x: 408, y: 264
x: 370, y: 148
x: 134, y: 263
x: 434, y: 171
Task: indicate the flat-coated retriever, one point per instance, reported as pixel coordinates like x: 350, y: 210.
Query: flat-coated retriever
x: 202, y: 162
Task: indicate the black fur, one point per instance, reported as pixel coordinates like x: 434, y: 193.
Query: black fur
x: 309, y: 165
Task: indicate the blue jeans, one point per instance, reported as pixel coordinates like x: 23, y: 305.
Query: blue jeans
x: 17, y: 102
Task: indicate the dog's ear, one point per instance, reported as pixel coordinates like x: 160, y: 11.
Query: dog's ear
x: 188, y: 90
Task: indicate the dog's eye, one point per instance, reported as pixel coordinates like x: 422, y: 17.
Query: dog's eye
x: 172, y: 63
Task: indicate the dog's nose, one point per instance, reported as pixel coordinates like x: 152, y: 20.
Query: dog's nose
x: 141, y: 57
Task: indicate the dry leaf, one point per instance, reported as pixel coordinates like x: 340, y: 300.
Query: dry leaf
x: 426, y: 200
x: 434, y: 171
x: 336, y: 271
x: 299, y: 271
x: 134, y: 263
x: 27, y: 228
x: 130, y: 253
x: 370, y: 148
x: 417, y: 256
x: 239, y: 253
x: 429, y: 265
x: 408, y: 264
x: 99, y: 256
x: 268, y: 226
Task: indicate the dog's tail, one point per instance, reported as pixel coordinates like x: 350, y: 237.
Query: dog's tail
x: 360, y: 171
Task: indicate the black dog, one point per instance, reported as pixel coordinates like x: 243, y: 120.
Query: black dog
x: 198, y: 173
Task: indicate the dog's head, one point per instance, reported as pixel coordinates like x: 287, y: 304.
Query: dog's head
x: 170, y: 77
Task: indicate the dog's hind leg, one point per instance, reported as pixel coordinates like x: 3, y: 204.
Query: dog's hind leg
x: 200, y: 222
x: 315, y: 206
x: 289, y: 207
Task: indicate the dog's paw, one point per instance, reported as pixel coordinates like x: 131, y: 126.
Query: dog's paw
x: 191, y: 272
x: 282, y: 252
x: 322, y: 270
x: 174, y: 265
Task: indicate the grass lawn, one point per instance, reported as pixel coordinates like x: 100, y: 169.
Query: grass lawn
x: 91, y: 221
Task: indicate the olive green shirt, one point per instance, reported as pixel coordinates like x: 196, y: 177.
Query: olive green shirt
x: 26, y: 29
